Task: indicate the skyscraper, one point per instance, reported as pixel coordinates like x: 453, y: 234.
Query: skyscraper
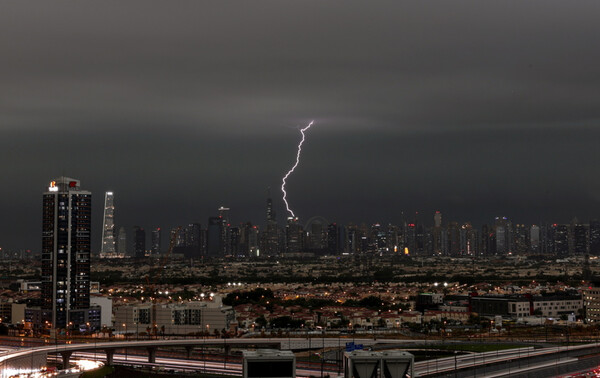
x: 534, y: 238
x: 214, y: 241
x: 270, y: 236
x: 108, y: 230
x: 594, y: 237
x: 155, y: 242
x: 139, y: 247
x: 561, y: 239
x: 333, y: 239
x: 293, y: 236
x: 122, y: 242
x: 224, y: 230
x: 66, y: 240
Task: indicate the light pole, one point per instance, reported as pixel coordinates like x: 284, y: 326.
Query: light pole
x: 204, y: 346
x: 455, y: 367
x: 125, y: 335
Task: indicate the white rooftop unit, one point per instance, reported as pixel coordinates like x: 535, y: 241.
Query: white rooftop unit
x: 390, y: 364
x: 268, y: 363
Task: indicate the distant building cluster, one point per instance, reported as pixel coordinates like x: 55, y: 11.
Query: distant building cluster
x: 411, y: 237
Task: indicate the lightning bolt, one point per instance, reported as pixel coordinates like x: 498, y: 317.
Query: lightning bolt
x: 287, y: 206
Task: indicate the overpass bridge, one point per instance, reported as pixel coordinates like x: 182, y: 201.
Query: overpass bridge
x: 32, y: 359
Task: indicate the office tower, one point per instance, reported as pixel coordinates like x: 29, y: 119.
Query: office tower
x: 139, y: 246
x: 214, y: 246
x: 234, y: 240
x: 453, y: 233
x: 177, y: 234
x: 351, y: 239
x: 501, y: 228
x: 108, y: 230
x: 473, y: 241
x: 193, y: 240
x: 547, y: 238
x: 252, y: 235
x: 411, y: 238
x: 270, y: 212
x: 122, y: 242
x: 333, y: 239
x: 392, y: 238
x: 293, y: 236
x: 579, y: 237
x: 594, y: 233
x: 534, y: 238
x: 224, y: 230
x: 469, y: 240
x: 155, y: 250
x: 521, y: 238
x: 561, y: 239
x: 420, y: 238
x: 270, y: 245
x: 437, y: 233
x: 316, y: 234
x: 377, y: 238
x: 66, y: 234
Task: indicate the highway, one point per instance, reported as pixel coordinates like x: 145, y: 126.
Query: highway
x: 521, y: 362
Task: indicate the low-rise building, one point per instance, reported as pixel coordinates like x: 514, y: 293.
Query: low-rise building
x: 173, y: 318
x: 557, y: 305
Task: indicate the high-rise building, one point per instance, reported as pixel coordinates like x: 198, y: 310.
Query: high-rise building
x: 522, y: 238
x: 122, y: 242
x: 561, y: 239
x: 108, y: 230
x: 224, y: 230
x: 534, y: 238
x: 580, y: 238
x: 594, y: 237
x: 214, y: 242
x: 316, y: 235
x: 139, y: 246
x: 270, y: 211
x: 155, y: 250
x: 194, y: 240
x: 333, y: 239
x: 270, y: 236
x: 234, y: 241
x: 66, y: 230
x: 437, y: 233
x: 453, y: 233
x: 293, y: 236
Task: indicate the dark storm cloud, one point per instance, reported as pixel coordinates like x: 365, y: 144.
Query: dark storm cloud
x: 473, y: 108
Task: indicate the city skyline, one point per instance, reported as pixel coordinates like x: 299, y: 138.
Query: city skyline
x: 475, y: 110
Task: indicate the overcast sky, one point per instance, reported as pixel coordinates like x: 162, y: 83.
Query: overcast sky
x: 473, y: 108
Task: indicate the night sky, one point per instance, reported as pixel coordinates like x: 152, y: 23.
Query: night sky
x: 473, y: 108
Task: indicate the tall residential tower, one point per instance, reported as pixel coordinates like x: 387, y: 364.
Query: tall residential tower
x: 66, y: 239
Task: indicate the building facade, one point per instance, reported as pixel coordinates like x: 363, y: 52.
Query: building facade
x: 66, y: 237
x: 108, y: 249
x: 174, y: 318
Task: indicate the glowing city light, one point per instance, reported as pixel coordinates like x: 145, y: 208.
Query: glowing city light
x: 294, y: 167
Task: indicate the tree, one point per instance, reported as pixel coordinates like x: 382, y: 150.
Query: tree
x: 261, y: 322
